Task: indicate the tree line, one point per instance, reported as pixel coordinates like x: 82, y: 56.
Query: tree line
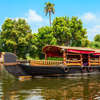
x: 17, y: 37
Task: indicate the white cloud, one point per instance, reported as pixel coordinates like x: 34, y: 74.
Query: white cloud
x: 88, y: 16
x: 96, y: 29
x: 93, y: 32
x: 0, y: 27
x: 31, y: 16
x: 34, y: 20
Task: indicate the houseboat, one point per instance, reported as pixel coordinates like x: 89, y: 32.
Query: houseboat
x: 75, y: 61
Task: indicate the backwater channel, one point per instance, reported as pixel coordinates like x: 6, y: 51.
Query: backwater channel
x: 85, y: 87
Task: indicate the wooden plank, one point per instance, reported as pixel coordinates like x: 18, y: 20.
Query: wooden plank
x: 23, y: 61
x: 8, y: 64
x: 25, y: 76
x: 73, y: 60
x: 72, y: 64
x: 94, y: 63
x: 45, y: 60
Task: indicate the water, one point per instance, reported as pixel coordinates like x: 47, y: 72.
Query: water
x: 57, y: 88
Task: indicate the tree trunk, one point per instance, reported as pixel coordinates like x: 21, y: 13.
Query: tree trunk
x: 15, y: 52
x: 50, y: 17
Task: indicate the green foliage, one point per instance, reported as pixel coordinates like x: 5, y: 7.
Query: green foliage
x: 85, y: 42
x: 17, y: 37
x: 1, y: 50
x: 96, y: 42
x: 97, y: 38
x: 54, y: 58
x: 64, y: 31
x: 69, y: 31
x: 44, y: 37
x: 95, y: 45
x: 61, y: 30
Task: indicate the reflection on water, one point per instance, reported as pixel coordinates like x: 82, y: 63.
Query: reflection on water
x: 69, y: 88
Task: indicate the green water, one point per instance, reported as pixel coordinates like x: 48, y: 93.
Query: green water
x: 56, y: 88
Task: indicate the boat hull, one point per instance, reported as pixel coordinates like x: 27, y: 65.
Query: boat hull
x: 57, y: 70
x: 28, y: 70
x: 18, y: 69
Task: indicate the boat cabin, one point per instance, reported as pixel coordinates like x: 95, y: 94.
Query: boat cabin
x: 72, y: 56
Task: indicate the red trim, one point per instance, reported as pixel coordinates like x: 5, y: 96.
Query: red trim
x: 96, y: 53
x: 80, y: 51
x: 51, y: 54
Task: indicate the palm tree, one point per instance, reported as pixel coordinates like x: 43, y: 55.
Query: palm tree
x: 49, y: 8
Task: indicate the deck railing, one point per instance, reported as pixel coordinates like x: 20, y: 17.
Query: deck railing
x: 95, y: 62
x: 54, y: 63
x: 60, y: 63
x: 73, y: 62
x: 46, y: 63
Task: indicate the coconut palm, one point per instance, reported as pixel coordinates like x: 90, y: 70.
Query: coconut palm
x: 49, y: 8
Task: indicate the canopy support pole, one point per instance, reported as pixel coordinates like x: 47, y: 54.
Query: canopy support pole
x: 64, y: 57
x: 89, y: 59
x: 45, y: 56
x: 81, y: 59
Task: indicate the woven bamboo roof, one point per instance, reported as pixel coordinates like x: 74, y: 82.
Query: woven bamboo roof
x: 55, y: 48
x: 97, y: 50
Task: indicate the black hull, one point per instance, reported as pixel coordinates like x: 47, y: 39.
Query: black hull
x: 57, y: 70
x: 16, y: 70
x: 27, y: 70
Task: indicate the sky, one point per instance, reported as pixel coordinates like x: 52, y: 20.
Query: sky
x: 32, y: 10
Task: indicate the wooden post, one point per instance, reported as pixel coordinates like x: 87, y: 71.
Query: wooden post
x: 81, y: 59
x: 64, y: 57
x: 99, y: 60
x: 89, y: 59
x: 45, y: 56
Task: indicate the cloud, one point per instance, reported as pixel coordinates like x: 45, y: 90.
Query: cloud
x: 88, y: 16
x: 96, y: 29
x: 31, y: 16
x: 34, y: 20
x: 0, y: 27
x: 93, y: 32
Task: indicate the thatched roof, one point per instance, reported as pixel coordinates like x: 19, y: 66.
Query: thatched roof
x: 54, y: 48
x: 97, y: 50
